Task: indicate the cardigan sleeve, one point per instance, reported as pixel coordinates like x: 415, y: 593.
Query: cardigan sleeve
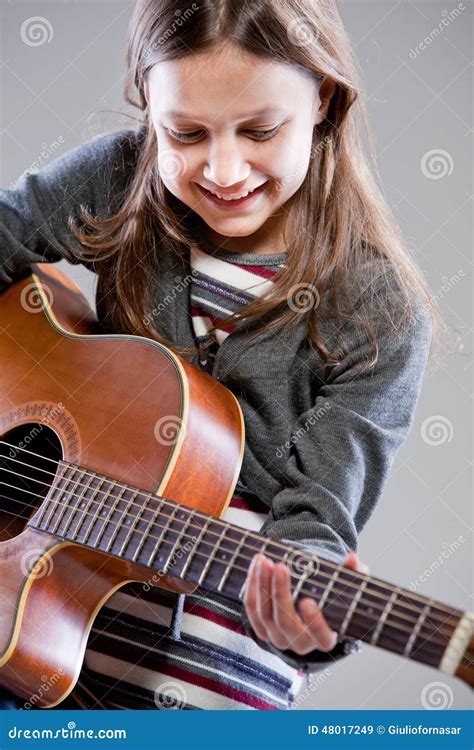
x: 339, y: 462
x: 34, y: 211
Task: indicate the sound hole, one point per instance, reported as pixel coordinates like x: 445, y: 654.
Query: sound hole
x: 28, y: 460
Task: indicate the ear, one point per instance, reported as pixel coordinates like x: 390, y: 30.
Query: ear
x: 324, y: 94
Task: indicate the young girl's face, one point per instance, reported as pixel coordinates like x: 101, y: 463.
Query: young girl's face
x: 228, y: 122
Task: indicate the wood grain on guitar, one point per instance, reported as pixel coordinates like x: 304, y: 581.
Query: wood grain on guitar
x: 117, y: 462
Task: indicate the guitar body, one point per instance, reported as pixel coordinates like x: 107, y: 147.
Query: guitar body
x: 118, y: 405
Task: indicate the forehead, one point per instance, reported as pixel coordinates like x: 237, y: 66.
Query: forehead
x: 227, y: 85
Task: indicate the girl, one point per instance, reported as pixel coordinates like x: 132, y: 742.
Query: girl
x: 241, y: 226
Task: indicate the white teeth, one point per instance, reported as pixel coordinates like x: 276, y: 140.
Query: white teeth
x: 232, y: 197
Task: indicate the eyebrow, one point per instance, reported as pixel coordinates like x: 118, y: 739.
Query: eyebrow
x: 251, y: 116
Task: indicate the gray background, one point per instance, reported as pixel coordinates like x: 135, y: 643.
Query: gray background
x: 417, y: 104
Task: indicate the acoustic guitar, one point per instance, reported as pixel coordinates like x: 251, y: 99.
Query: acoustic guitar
x: 117, y: 462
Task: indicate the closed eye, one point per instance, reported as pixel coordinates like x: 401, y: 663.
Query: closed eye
x: 259, y: 135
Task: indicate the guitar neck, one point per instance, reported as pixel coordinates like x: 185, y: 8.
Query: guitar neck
x: 95, y: 511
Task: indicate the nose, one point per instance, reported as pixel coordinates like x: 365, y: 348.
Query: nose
x: 226, y: 165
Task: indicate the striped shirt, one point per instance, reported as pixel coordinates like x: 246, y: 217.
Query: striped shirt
x: 132, y: 660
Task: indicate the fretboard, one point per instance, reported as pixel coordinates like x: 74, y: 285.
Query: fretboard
x: 93, y: 510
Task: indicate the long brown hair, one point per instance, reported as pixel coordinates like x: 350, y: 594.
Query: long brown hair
x: 347, y: 222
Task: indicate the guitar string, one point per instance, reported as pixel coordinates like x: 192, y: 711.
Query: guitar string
x: 235, y: 566
x: 197, y: 513
x: 173, y: 505
x: 428, y: 638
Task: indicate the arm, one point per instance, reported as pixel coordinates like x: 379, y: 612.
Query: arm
x: 338, y: 466
x: 34, y: 214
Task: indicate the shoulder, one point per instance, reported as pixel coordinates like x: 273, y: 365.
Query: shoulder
x: 380, y: 310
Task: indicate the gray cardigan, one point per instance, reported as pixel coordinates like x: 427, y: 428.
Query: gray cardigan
x: 320, y: 441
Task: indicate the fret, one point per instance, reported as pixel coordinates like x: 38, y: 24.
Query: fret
x: 417, y: 628
x: 378, y: 629
x: 119, y: 525
x: 162, y: 536
x: 230, y: 565
x: 133, y: 525
x: 352, y: 608
x: 303, y: 577
x: 151, y: 524
x: 96, y: 514
x: 180, y: 537
x: 112, y: 509
x: 196, y: 545
x: 57, y: 498
x: 85, y: 511
x: 211, y: 557
x: 79, y: 500
x: 42, y: 511
x: 66, y: 504
x: 328, y: 588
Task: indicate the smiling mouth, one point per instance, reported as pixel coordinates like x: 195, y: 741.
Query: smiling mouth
x: 243, y: 199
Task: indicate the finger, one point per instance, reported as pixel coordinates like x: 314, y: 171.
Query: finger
x: 287, y: 628
x: 291, y: 630
x: 264, y: 593
x: 353, y: 562
x: 317, y: 625
x: 251, y: 601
